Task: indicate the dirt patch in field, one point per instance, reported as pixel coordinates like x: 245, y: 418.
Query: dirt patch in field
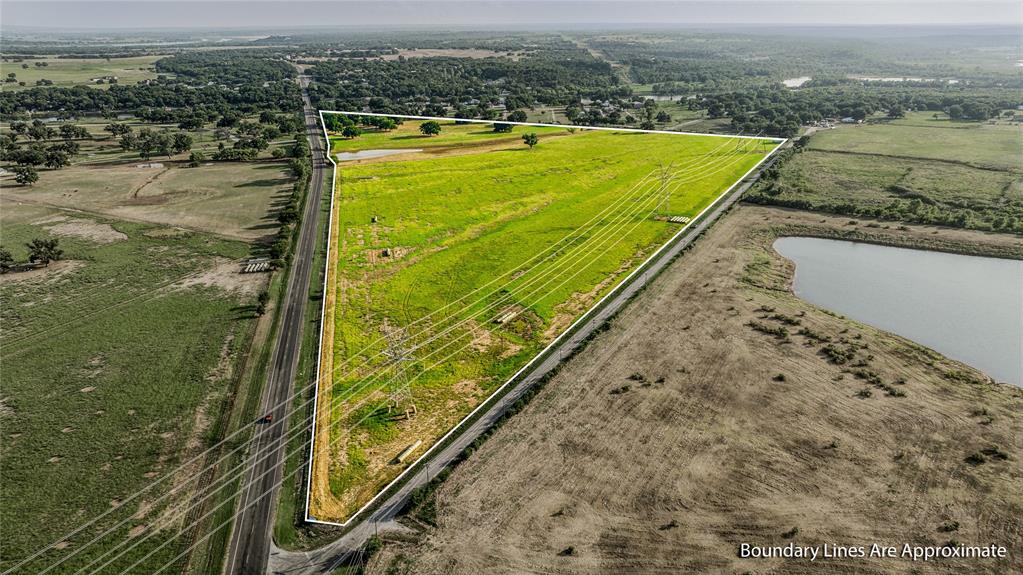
x: 683, y: 431
x: 85, y: 229
x: 226, y: 275
x: 50, y: 272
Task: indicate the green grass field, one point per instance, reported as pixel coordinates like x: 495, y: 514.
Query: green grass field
x: 118, y: 363
x: 449, y: 225
x: 917, y: 169
x: 80, y: 71
x: 920, y: 136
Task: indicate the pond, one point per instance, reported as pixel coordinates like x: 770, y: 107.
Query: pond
x: 795, y: 82
x: 368, y: 154
x: 968, y: 308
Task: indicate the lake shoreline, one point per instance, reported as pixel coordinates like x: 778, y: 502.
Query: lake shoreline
x: 963, y: 307
x: 885, y: 233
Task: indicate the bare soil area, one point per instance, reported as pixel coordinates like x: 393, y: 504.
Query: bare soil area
x: 685, y: 430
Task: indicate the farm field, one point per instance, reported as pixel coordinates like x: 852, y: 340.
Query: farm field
x: 232, y: 199
x: 921, y: 136
x: 961, y: 174
x: 133, y: 352
x: 80, y: 71
x: 681, y: 432
x: 470, y: 262
x: 120, y: 361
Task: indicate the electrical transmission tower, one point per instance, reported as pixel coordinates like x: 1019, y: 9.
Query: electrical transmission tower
x: 666, y: 176
x: 399, y: 390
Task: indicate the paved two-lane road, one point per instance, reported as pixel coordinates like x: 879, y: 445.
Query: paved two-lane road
x: 250, y: 539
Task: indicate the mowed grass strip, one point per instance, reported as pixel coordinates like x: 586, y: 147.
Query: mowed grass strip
x: 407, y: 135
x: 449, y: 225
x: 117, y: 364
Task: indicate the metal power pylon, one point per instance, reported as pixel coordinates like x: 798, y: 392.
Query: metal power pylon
x: 666, y: 176
x: 399, y: 389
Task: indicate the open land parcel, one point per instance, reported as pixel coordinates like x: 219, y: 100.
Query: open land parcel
x: 125, y: 358
x: 458, y: 260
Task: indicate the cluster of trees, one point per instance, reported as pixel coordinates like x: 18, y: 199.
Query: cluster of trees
x: 147, y: 142
x: 41, y: 251
x: 646, y: 115
x: 778, y: 111
x: 154, y: 95
x: 222, y: 80
x: 351, y: 126
x: 470, y: 86
x: 227, y: 67
x: 290, y: 215
x: 45, y: 146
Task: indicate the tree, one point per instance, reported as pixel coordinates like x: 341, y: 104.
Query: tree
x: 6, y: 260
x: 57, y: 159
x: 193, y: 123
x: 181, y: 142
x: 264, y: 300
x: 25, y: 175
x: 530, y: 139
x: 502, y: 128
x: 663, y: 117
x: 517, y: 116
x: 896, y: 111
x: 430, y: 128
x: 351, y: 131
x: 387, y: 124
x: 44, y: 251
x: 196, y: 158
x: 71, y: 132
x: 129, y: 141
x: 117, y: 129
x: 955, y: 111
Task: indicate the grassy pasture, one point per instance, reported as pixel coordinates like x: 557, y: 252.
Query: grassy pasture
x: 977, y: 143
x: 917, y: 169
x: 98, y: 397
x: 80, y: 71
x: 453, y: 223
x: 233, y: 199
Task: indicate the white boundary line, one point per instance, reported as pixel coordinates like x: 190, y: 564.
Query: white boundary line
x: 541, y: 353
x: 323, y: 310
x: 607, y: 128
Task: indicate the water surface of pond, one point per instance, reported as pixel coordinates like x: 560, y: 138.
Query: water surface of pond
x: 968, y: 308
x: 367, y: 154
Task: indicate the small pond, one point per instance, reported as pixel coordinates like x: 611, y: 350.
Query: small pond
x: 968, y: 308
x: 368, y: 154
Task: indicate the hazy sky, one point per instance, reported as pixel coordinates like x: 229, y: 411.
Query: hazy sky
x: 495, y: 13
